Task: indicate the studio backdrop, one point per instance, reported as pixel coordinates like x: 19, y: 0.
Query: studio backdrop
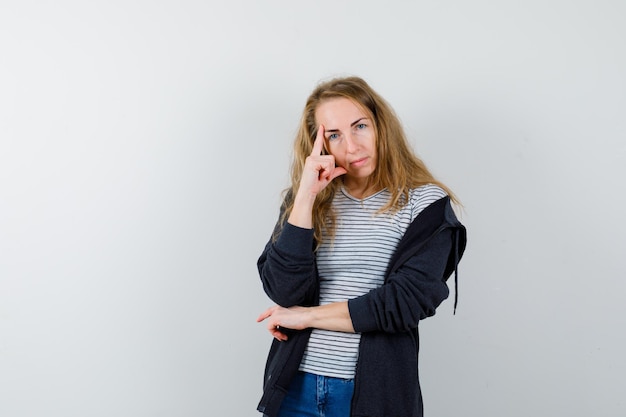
x: 144, y: 146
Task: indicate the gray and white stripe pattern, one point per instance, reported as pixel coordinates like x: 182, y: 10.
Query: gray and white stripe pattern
x: 355, y: 263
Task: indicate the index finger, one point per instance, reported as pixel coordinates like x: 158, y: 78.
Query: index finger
x: 267, y: 313
x: 318, y: 145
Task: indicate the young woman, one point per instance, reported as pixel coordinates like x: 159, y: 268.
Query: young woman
x: 365, y: 242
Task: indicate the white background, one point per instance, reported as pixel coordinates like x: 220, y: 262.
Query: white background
x: 144, y: 145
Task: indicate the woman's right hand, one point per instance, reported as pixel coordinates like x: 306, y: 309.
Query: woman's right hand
x: 319, y: 170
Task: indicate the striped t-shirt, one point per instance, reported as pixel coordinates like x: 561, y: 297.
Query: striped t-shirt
x: 354, y: 263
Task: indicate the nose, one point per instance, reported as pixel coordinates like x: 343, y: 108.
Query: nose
x: 351, y: 143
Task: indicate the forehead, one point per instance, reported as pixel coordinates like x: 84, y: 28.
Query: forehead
x: 338, y: 111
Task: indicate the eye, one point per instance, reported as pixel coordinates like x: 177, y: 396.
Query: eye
x: 333, y: 136
x: 361, y: 126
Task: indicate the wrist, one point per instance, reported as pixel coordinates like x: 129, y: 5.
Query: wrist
x: 309, y: 317
x: 301, y: 213
x: 305, y: 199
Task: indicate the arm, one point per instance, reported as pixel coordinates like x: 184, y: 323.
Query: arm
x: 287, y: 266
x: 334, y: 316
x: 411, y: 293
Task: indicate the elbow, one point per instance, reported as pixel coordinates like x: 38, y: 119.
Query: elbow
x: 440, y: 296
x: 393, y: 310
x: 437, y: 297
x: 288, y: 295
x: 284, y: 300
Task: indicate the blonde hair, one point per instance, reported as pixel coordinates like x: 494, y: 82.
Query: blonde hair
x: 398, y: 169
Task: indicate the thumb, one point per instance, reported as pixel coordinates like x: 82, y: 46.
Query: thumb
x: 337, y: 172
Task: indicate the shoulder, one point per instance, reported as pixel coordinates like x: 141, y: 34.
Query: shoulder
x: 424, y: 196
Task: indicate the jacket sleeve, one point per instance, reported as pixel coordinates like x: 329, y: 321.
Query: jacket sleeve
x: 410, y: 294
x: 287, y: 267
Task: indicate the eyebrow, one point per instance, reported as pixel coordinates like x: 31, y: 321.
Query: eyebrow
x: 356, y: 122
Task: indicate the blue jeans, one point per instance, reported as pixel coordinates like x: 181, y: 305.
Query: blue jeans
x: 312, y: 395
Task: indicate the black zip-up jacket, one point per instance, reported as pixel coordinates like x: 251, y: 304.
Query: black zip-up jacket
x: 386, y: 381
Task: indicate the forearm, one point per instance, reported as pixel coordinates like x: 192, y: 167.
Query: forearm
x: 411, y: 293
x: 301, y: 213
x: 334, y: 316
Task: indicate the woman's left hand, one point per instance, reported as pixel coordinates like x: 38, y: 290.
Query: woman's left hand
x: 280, y: 317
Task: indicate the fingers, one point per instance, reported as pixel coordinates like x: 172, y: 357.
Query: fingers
x: 337, y: 172
x: 318, y: 145
x: 319, y: 170
x: 330, y: 172
x: 273, y: 326
x: 262, y: 317
x: 276, y: 333
x: 267, y: 313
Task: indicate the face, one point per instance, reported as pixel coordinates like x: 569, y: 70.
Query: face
x: 349, y: 137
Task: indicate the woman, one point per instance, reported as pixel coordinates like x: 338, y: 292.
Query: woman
x: 361, y: 253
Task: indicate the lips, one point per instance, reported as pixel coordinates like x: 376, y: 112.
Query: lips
x: 358, y: 162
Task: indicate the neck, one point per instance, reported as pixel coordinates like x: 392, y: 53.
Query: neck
x: 360, y: 189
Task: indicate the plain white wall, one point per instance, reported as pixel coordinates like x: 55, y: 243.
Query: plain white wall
x: 144, y: 145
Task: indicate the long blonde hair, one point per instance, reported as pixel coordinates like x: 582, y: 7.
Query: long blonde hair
x: 398, y: 170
